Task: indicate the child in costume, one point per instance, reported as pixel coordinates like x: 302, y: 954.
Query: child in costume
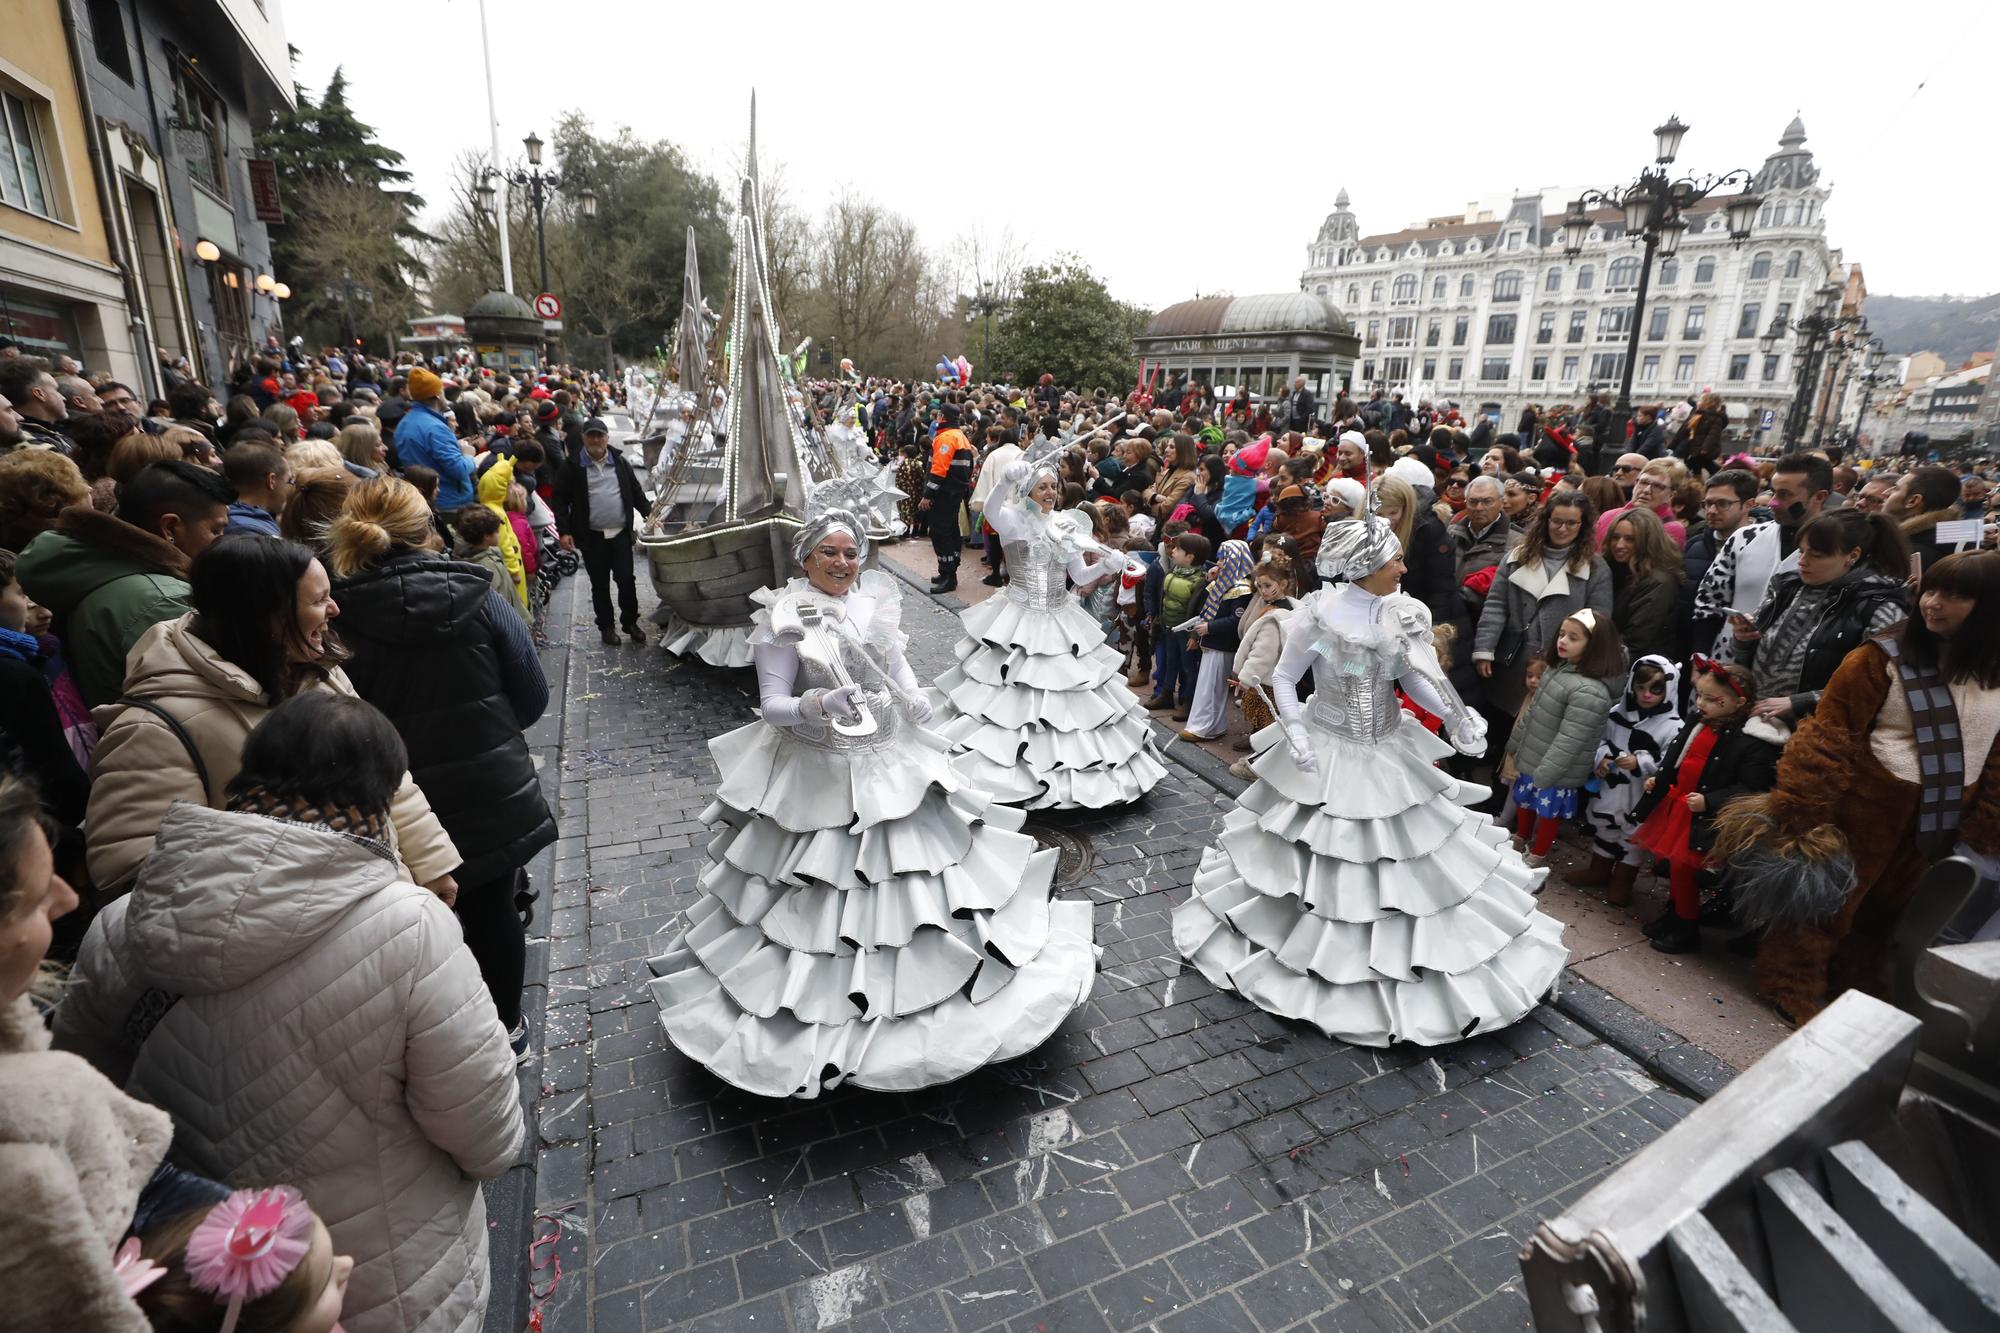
x: 1642, y: 725
x: 1550, y: 751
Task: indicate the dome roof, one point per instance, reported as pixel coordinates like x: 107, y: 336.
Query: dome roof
x: 501, y: 305
x: 1279, y: 312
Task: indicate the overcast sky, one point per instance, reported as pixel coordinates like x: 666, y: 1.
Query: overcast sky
x: 1197, y: 148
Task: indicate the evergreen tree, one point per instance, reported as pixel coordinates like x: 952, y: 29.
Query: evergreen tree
x: 1067, y: 324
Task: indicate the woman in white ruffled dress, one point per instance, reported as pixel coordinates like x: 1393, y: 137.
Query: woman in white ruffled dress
x: 1352, y: 888
x: 1037, y: 708
x: 865, y: 915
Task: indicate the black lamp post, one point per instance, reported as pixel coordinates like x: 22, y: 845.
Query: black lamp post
x: 1653, y: 207
x: 1871, y: 375
x: 986, y: 305
x: 540, y: 185
x: 1817, y: 329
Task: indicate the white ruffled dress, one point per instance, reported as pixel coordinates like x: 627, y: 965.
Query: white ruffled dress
x: 1037, y: 708
x: 865, y: 916
x: 1364, y: 897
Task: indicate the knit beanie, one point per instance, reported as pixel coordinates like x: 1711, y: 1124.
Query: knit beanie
x: 423, y: 385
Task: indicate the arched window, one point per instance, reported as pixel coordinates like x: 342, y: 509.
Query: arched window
x: 1354, y: 293
x: 1585, y: 276
x: 1405, y: 287
x: 1465, y: 285
x: 1760, y: 266
x: 1320, y: 290
x: 1792, y: 262
x: 1507, y: 287
x: 1623, y: 274
x: 1799, y: 213
x: 1375, y: 291
x: 1670, y: 272
x: 1554, y: 281
x: 1438, y: 288
x: 1704, y: 270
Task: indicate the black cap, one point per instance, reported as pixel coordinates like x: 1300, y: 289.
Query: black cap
x: 596, y: 426
x: 950, y: 413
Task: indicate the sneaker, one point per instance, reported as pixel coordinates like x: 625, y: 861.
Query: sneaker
x: 517, y: 1039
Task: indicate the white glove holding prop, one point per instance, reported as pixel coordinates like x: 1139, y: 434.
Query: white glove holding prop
x: 1299, y: 740
x: 920, y: 708
x: 1470, y: 738
x: 840, y: 703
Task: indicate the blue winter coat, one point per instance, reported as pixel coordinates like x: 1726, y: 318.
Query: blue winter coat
x: 424, y: 438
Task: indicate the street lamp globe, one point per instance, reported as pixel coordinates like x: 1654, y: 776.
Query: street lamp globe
x: 1769, y: 342
x: 1670, y: 237
x: 485, y: 193
x: 1667, y: 140
x: 1576, y: 229
x: 588, y: 199
x: 282, y: 290
x: 1638, y: 211
x: 533, y: 143
x: 265, y: 282
x: 207, y: 251
x: 1742, y: 213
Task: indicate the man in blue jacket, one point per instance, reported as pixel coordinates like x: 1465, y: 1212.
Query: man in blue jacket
x: 424, y: 437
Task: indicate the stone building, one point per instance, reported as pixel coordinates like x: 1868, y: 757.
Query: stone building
x: 1259, y: 343
x: 1483, y: 308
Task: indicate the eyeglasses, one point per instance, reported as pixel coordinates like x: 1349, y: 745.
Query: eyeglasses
x: 1624, y: 467
x: 1722, y: 504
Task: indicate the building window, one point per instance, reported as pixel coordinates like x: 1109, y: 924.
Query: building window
x: 1465, y: 286
x: 1538, y: 369
x: 1507, y: 287
x: 1457, y: 368
x: 1513, y: 240
x: 1607, y: 366
x: 1320, y: 290
x: 204, y: 130
x: 1670, y: 272
x: 1430, y: 368
x: 1783, y: 314
x: 1576, y: 322
x: 24, y: 165
x: 1374, y: 331
x: 1739, y: 366
x: 1770, y: 369
x: 1545, y: 330
x: 1614, y: 322
x: 1500, y: 329
x: 1495, y: 368
x: 1553, y: 281
x: 1402, y: 328
x: 1746, y: 320
x: 229, y: 296
x: 1459, y: 328
x: 1367, y: 372
x: 1354, y: 293
x: 1697, y: 317
x: 1792, y: 262
x: 1396, y: 369
x: 1649, y: 368
x: 1438, y: 288
x: 1684, y: 369
x: 1570, y: 364
x: 1760, y: 266
x: 107, y: 38
x: 1656, y: 326
x: 1375, y: 292
x: 1585, y: 276
x: 1431, y: 334
x: 1704, y: 271
x: 1405, y: 288
x: 1623, y: 275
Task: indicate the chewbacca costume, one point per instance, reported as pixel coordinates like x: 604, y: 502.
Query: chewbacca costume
x: 1834, y: 788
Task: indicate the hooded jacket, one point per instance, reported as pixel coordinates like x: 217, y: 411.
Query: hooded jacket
x: 494, y: 480
x: 74, y: 1154
x: 433, y: 649
x: 107, y: 582
x: 140, y: 767
x: 1554, y: 743
x: 330, y: 1030
x: 1643, y: 733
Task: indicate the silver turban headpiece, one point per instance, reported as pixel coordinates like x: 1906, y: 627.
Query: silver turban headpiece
x: 1355, y: 548
x: 1040, y: 457
x: 836, y: 503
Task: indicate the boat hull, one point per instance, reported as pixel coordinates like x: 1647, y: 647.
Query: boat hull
x: 706, y: 577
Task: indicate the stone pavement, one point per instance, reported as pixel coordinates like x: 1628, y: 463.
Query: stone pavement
x: 1173, y: 1159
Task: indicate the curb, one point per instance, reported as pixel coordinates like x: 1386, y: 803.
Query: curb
x: 1660, y: 1051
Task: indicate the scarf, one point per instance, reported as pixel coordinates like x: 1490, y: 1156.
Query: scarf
x: 1940, y: 756
x: 24, y: 647
x: 372, y: 826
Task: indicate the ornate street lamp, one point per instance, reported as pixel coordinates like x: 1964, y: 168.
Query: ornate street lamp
x: 540, y: 185
x: 1653, y: 208
x: 1819, y: 329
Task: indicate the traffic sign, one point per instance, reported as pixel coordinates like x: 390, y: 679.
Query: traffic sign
x: 548, y: 306
x: 1769, y: 419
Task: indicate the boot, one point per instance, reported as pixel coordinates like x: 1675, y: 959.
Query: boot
x: 1678, y: 935
x: 1596, y: 875
x: 1623, y: 876
x: 994, y: 580
x: 1663, y: 921
x: 1160, y: 701
x: 947, y: 575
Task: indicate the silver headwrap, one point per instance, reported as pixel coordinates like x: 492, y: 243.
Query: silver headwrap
x: 1040, y: 457
x: 836, y: 503
x: 1355, y: 548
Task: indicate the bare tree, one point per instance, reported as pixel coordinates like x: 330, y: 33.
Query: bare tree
x: 981, y: 261
x: 357, y: 259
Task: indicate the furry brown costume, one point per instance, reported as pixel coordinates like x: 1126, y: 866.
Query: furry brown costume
x: 1830, y: 781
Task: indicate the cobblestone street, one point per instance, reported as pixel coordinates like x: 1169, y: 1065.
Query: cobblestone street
x: 1173, y: 1159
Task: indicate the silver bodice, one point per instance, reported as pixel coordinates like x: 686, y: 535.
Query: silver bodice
x: 1036, y: 573
x: 1357, y: 705
x: 878, y: 694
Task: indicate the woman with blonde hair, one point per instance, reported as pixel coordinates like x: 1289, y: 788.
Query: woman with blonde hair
x: 306, y: 454
x: 284, y: 419
x: 1430, y: 563
x: 362, y: 449
x: 317, y: 495
x: 1653, y: 490
x: 452, y: 665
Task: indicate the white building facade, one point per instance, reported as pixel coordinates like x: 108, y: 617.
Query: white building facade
x: 1487, y: 312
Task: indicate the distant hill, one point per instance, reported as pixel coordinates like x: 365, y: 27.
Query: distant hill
x: 1952, y: 329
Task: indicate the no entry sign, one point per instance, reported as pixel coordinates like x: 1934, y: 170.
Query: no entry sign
x: 548, y: 306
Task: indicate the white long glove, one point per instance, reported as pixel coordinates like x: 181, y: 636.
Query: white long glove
x: 1470, y: 738
x: 840, y: 704
x: 1299, y: 740
x: 920, y: 708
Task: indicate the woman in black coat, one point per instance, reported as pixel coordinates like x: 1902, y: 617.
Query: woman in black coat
x: 454, y: 668
x: 1430, y: 561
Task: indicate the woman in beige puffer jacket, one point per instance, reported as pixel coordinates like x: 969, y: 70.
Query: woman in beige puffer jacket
x: 217, y: 693
x: 324, y: 1024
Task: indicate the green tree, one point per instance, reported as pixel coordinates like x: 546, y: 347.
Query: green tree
x: 344, y: 195
x: 1065, y: 323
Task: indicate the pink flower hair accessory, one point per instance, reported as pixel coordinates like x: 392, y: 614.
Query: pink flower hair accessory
x: 135, y: 1272
x: 248, y: 1245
